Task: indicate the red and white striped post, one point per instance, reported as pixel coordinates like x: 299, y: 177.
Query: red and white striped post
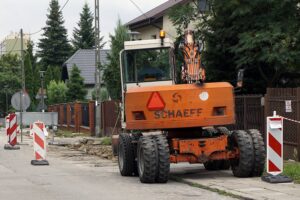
x: 274, y: 145
x: 275, y: 150
x: 12, y: 132
x: 39, y: 144
x: 7, y: 124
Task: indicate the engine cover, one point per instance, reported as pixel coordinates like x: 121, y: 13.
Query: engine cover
x: 179, y: 106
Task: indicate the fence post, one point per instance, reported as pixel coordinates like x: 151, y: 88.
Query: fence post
x: 245, y: 113
x: 298, y: 118
x: 77, y: 113
x: 61, y: 114
x: 92, y: 117
x: 68, y: 115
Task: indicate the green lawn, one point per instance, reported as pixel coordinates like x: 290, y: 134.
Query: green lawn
x: 292, y: 170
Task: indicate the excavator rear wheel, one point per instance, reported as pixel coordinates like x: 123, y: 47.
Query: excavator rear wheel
x: 259, y: 152
x: 163, y: 159
x: 217, y: 165
x: 147, y: 161
x: 223, y: 130
x: 126, y: 158
x: 242, y: 166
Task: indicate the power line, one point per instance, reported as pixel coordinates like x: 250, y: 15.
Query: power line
x: 146, y: 17
x: 61, y: 9
x: 64, y: 5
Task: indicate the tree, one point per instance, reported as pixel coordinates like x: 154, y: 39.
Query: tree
x: 10, y: 81
x: 32, y: 79
x: 56, y: 92
x: 75, y: 84
x: 112, y: 71
x: 52, y: 73
x: 54, y: 46
x: 84, y: 35
x: 260, y: 36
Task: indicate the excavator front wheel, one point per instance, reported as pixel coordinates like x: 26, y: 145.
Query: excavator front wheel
x: 147, y: 159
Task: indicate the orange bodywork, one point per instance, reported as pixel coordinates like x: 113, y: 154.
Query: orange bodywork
x: 201, y: 150
x: 179, y: 106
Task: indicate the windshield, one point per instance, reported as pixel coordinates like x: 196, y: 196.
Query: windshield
x: 145, y: 65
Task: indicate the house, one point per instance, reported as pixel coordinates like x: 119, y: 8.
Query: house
x: 149, y: 24
x: 84, y: 59
x: 12, y: 44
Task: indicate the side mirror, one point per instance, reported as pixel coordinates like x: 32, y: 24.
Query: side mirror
x: 240, y: 78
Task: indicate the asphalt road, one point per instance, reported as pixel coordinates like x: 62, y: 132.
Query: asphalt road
x: 75, y: 176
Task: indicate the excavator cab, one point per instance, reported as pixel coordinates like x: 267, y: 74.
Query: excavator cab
x: 146, y: 63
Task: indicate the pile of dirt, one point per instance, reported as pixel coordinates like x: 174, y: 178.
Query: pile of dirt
x: 93, y: 146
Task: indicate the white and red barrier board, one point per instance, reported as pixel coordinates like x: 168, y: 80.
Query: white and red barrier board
x: 39, y: 140
x: 7, y: 124
x: 12, y: 129
x: 274, y: 145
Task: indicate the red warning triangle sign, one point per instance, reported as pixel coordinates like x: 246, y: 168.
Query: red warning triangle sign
x: 156, y: 102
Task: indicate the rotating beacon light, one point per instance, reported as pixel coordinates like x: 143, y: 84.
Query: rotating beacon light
x: 162, y: 35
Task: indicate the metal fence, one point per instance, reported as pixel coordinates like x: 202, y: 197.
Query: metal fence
x: 111, y: 118
x: 85, y: 114
x: 72, y: 111
x: 65, y: 114
x: 286, y: 102
x: 249, y: 113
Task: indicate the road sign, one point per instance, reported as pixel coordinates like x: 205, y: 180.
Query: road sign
x: 274, y: 145
x: 288, y: 106
x: 16, y: 101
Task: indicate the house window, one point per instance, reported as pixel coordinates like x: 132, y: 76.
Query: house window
x: 153, y: 36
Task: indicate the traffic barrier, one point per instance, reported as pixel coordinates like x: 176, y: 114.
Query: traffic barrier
x: 30, y: 130
x: 6, y: 124
x: 39, y: 144
x: 275, y: 151
x: 12, y: 133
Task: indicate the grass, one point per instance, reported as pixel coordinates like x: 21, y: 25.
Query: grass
x: 106, y: 141
x: 292, y: 170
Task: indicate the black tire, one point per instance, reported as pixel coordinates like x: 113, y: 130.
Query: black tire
x: 210, y: 132
x: 225, y: 165
x: 212, y: 165
x: 217, y: 165
x: 135, y: 138
x: 147, y: 159
x: 163, y: 158
x: 126, y: 158
x: 223, y: 130
x: 242, y: 166
x: 259, y: 152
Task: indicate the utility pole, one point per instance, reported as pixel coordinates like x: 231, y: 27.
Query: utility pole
x: 97, y: 70
x: 42, y: 90
x: 23, y: 85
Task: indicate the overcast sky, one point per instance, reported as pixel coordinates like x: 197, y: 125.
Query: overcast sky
x: 31, y: 14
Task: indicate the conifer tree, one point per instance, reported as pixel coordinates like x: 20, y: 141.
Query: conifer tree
x: 112, y: 71
x: 54, y: 45
x: 84, y: 35
x: 75, y: 84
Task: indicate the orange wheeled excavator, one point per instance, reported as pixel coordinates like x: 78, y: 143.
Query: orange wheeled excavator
x: 165, y: 122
